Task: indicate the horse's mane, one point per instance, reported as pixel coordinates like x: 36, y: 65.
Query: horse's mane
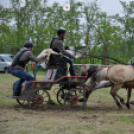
x: 95, y: 75
x: 99, y: 74
x: 92, y: 70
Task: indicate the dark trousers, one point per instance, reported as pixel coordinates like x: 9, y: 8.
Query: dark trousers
x: 24, y: 76
x: 72, y: 71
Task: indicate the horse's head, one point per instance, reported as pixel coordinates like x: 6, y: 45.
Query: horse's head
x: 100, y: 75
x: 96, y: 74
x: 92, y: 70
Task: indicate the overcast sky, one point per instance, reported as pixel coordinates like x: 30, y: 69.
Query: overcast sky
x: 110, y: 6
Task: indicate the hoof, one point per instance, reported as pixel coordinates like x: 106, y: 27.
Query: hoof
x: 128, y: 106
x: 81, y: 100
x: 122, y: 101
x: 119, y: 105
x: 132, y: 102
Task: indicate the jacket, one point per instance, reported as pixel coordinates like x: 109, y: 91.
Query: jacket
x: 23, y: 57
x: 57, y: 45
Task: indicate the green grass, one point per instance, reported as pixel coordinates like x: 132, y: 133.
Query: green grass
x: 40, y: 72
x: 107, y: 132
x: 88, y: 127
x: 125, y: 119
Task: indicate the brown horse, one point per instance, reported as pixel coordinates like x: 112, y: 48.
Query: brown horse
x: 121, y: 76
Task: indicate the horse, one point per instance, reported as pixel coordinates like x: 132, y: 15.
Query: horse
x: 120, y: 76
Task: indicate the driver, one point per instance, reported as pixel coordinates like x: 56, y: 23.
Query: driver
x: 58, y: 46
x: 18, y: 66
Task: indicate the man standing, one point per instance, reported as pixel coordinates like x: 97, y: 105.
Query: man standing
x: 57, y: 45
x: 18, y: 66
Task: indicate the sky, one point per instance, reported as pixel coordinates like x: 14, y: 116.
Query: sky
x: 110, y: 6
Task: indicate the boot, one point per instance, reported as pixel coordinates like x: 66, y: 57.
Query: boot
x: 16, y: 93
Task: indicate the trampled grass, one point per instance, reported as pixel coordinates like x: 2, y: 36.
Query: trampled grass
x: 101, y: 115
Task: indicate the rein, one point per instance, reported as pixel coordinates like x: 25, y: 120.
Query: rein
x: 99, y: 57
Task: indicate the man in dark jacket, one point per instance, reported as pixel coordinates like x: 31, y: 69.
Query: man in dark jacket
x: 58, y: 46
x: 18, y: 66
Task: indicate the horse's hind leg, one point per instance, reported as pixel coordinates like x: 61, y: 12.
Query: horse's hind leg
x: 128, y: 98
x: 113, y: 93
x: 121, y: 99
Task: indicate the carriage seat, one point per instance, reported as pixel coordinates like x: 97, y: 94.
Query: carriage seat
x: 56, y: 67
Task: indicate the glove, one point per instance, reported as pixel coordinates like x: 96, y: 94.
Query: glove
x: 77, y: 57
x: 46, y: 55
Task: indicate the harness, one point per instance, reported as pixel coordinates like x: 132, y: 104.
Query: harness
x: 17, y: 61
x: 53, y: 39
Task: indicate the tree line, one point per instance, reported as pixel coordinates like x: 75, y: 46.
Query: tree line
x: 90, y: 30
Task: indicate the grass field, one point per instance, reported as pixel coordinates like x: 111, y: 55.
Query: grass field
x: 101, y: 115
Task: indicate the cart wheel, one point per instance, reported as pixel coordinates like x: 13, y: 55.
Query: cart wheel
x: 38, y: 99
x: 60, y: 95
x: 75, y: 100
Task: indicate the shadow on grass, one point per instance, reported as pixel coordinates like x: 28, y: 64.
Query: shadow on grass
x: 57, y: 107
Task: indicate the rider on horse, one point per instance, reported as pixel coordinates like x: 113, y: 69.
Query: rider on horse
x: 18, y: 66
x: 58, y: 46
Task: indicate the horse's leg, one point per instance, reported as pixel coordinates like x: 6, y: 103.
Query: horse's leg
x: 128, y: 98
x: 113, y: 92
x: 121, y: 99
x: 89, y: 90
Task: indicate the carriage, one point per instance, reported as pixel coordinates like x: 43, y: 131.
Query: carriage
x: 71, y: 93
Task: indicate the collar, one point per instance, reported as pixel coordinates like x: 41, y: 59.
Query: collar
x: 59, y: 37
x: 24, y: 49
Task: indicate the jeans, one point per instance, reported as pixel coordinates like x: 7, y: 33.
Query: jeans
x: 24, y: 76
x: 72, y: 71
